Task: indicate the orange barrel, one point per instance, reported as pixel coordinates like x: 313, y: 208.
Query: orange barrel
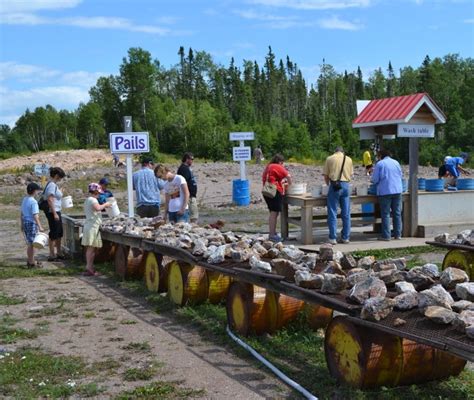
x: 367, y: 358
x: 252, y: 309
x: 218, y: 286
x: 186, y: 283
x: 317, y: 316
x: 156, y: 272
x: 129, y: 263
x: 460, y: 259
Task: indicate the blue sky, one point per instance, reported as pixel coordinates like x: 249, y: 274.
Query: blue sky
x: 53, y: 51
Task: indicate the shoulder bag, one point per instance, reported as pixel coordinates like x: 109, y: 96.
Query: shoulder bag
x: 269, y: 189
x: 337, y: 184
x: 43, y: 204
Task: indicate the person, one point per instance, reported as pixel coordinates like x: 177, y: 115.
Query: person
x: 30, y: 222
x: 367, y: 160
x: 53, y: 195
x: 278, y: 175
x: 185, y: 171
x: 453, y: 165
x: 176, y: 195
x: 105, y: 193
x: 91, y: 238
x: 116, y: 159
x: 388, y: 178
x: 258, y: 155
x: 147, y: 188
x: 337, y: 172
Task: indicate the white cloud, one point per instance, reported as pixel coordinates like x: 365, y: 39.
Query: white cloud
x: 469, y: 21
x: 14, y: 6
x: 252, y: 14
x: 335, y: 22
x: 314, y: 4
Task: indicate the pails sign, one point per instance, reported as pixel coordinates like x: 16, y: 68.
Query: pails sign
x: 416, y: 131
x: 41, y: 169
x: 129, y: 143
x: 241, y: 153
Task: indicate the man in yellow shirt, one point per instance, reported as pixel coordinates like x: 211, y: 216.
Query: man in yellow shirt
x: 367, y: 161
x: 337, y: 172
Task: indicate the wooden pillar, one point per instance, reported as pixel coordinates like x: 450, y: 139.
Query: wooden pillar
x: 284, y: 219
x: 307, y: 224
x: 413, y: 185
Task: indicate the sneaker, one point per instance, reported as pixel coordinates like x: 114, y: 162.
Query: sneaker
x: 275, y: 238
x: 397, y: 238
x: 383, y: 239
x: 332, y: 241
x: 343, y: 241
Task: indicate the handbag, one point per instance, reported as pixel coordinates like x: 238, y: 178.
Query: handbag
x: 43, y: 204
x: 269, y: 189
x: 337, y: 184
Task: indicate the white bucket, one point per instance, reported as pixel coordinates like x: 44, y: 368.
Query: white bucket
x: 361, y: 190
x: 66, y: 202
x: 324, y: 190
x: 316, y: 192
x: 112, y: 211
x: 297, y: 189
x: 41, y: 240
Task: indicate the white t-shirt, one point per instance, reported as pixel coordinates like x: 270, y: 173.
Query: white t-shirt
x: 175, y: 190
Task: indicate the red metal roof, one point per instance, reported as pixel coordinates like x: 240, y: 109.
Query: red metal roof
x: 392, y: 109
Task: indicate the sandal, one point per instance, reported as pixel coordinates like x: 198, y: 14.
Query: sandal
x: 60, y: 257
x: 90, y: 273
x: 36, y: 264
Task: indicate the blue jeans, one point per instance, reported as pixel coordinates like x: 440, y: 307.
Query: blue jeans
x: 339, y: 198
x: 391, y: 202
x: 175, y: 217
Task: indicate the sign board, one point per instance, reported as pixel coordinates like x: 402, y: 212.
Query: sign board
x: 129, y: 143
x: 242, y: 153
x: 416, y: 131
x: 41, y: 170
x: 241, y: 136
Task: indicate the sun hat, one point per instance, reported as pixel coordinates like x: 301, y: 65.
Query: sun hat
x: 94, y: 187
x: 104, y: 181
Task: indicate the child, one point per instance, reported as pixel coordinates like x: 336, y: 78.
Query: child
x: 90, y: 234
x: 106, y: 193
x: 30, y: 222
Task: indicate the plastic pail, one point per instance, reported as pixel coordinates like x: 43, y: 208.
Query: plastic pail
x: 114, y: 210
x: 362, y: 190
x: 297, y: 189
x: 316, y: 192
x: 367, y: 208
x: 66, y: 202
x: 41, y: 240
x: 434, y: 185
x: 421, y: 184
x: 240, y: 192
x: 465, y: 184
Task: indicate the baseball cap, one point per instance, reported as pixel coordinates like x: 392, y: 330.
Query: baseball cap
x: 32, y: 187
x: 94, y: 187
x: 104, y: 181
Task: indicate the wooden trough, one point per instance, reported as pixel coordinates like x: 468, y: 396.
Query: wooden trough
x: 364, y: 358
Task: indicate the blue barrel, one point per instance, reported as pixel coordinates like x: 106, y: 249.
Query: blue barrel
x: 421, y: 184
x: 404, y: 185
x: 465, y: 184
x: 434, y: 185
x: 240, y: 192
x: 367, y: 208
x: 372, y: 189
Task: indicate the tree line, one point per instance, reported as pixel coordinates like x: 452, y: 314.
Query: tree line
x: 193, y: 105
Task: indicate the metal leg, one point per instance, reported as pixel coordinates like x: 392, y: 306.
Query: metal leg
x: 307, y: 224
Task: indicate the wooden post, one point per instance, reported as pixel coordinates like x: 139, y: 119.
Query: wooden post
x: 307, y: 224
x: 413, y: 185
x: 284, y: 219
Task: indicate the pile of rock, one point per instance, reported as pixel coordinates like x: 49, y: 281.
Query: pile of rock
x: 465, y: 237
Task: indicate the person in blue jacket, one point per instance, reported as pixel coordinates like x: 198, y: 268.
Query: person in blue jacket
x: 106, y: 193
x: 453, y: 165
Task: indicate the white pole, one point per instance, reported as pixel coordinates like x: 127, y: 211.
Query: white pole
x: 242, y: 164
x: 129, y: 159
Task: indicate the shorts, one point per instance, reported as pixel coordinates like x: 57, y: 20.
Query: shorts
x: 30, y: 229
x: 193, y: 209
x: 148, y: 211
x: 55, y: 227
x: 276, y: 203
x: 175, y: 217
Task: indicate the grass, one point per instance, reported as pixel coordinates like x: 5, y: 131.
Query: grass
x: 10, y: 301
x: 139, y: 374
x: 137, y: 346
x: 17, y: 271
x: 10, y: 334
x: 160, y: 390
x: 30, y: 373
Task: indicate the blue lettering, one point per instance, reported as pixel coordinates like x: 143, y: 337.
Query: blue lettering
x: 141, y: 144
x: 118, y: 141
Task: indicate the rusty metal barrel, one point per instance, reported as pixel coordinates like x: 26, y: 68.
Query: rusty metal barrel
x: 218, y: 286
x: 252, y: 309
x: 129, y: 262
x: 317, y: 316
x: 367, y: 358
x: 460, y: 259
x: 187, y: 284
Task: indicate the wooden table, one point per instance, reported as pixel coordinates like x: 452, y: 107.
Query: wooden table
x: 307, y: 202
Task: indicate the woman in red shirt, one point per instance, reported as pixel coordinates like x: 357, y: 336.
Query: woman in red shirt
x: 277, y: 174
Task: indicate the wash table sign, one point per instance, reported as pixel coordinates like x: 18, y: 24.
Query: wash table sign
x: 129, y: 143
x: 416, y: 131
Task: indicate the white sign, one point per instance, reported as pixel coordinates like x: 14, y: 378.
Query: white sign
x: 41, y: 170
x: 416, y: 131
x: 241, y: 136
x: 242, y: 153
x: 129, y: 142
